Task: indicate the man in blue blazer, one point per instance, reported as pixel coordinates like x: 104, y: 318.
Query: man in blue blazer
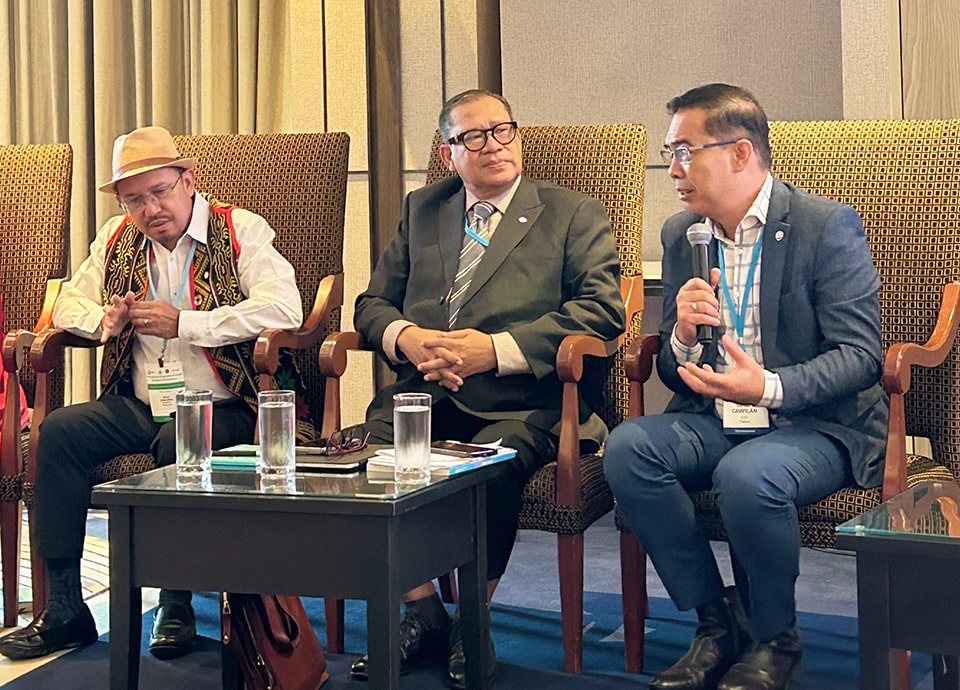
x: 486, y: 347
x: 776, y: 408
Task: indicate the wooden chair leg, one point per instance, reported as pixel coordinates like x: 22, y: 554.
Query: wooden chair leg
x: 636, y: 606
x: 570, y: 558
x: 900, y: 670
x: 333, y: 610
x: 10, y: 517
x: 448, y: 587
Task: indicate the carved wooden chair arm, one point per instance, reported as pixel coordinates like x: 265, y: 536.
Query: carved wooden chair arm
x: 896, y: 382
x: 570, y: 356
x: 266, y: 351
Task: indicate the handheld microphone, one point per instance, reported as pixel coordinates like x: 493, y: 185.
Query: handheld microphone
x: 699, y: 237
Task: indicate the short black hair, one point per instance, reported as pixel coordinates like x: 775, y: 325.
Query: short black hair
x: 732, y: 111
x: 467, y: 96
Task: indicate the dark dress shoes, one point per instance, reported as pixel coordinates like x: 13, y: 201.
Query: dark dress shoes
x: 174, y: 630
x: 772, y: 665
x: 715, y: 647
x: 457, y: 660
x: 50, y: 632
x: 423, y: 635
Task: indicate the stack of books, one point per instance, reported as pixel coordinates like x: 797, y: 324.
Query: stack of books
x: 380, y: 466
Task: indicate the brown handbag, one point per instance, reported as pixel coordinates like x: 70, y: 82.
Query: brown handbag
x: 273, y: 642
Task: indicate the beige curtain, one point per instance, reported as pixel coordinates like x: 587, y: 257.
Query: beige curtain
x: 83, y: 72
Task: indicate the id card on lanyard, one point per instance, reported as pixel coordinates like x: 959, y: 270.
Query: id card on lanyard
x: 739, y: 418
x: 166, y: 379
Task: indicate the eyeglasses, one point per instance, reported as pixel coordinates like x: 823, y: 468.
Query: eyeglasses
x: 157, y: 194
x: 476, y: 139
x: 683, y: 152
x: 338, y: 444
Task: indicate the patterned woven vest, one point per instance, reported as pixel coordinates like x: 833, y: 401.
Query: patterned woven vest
x: 214, y: 282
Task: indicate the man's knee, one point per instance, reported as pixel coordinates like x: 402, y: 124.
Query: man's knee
x: 746, y: 479
x: 628, y: 456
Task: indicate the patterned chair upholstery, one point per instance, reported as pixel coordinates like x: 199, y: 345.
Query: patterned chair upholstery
x: 566, y: 496
x: 35, y: 184
x: 298, y: 183
x: 903, y: 177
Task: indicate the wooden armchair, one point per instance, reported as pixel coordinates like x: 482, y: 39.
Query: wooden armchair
x: 35, y: 184
x: 566, y: 496
x: 298, y: 182
x: 904, y: 178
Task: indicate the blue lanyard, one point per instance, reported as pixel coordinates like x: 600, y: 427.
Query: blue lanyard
x: 474, y: 236
x: 177, y: 295
x: 740, y: 319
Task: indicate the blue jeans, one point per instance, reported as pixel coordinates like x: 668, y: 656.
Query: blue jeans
x: 651, y: 463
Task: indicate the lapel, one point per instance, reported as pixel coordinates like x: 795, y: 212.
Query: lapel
x: 774, y: 254
x: 450, y: 232
x: 510, y: 232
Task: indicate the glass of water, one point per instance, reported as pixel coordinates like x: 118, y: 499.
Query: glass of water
x: 277, y: 415
x: 411, y: 438
x: 194, y: 422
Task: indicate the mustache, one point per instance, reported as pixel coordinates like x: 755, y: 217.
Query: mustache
x: 152, y: 219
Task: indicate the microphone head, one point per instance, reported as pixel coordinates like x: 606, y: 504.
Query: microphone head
x: 698, y: 234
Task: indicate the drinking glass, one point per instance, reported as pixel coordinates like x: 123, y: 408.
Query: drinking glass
x: 277, y: 415
x: 411, y: 438
x: 194, y: 422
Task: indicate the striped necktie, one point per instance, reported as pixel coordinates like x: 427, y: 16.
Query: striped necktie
x: 470, y: 254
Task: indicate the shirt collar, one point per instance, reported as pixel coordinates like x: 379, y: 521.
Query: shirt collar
x: 753, y: 222
x: 197, y: 229
x: 501, y: 201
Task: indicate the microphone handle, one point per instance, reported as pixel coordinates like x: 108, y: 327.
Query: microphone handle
x: 701, y: 269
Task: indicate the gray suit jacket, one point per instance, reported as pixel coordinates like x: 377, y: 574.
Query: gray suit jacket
x: 551, y: 270
x: 819, y: 320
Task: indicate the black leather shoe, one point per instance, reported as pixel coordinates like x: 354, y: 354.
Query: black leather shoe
x: 48, y: 633
x: 457, y: 660
x: 423, y: 635
x: 772, y: 665
x: 715, y: 647
x: 174, y: 630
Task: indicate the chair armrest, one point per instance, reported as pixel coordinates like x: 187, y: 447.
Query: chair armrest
x: 638, y: 365
x: 266, y: 351
x: 333, y: 362
x: 17, y: 343
x: 570, y: 355
x: 899, y: 359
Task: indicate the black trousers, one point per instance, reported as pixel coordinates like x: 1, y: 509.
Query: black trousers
x: 535, y: 448
x: 76, y: 439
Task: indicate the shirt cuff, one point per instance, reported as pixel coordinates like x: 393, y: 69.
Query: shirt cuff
x: 772, y: 397
x: 681, y: 352
x: 510, y: 359
x: 389, y: 342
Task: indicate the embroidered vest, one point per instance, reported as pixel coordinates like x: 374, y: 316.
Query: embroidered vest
x: 214, y: 282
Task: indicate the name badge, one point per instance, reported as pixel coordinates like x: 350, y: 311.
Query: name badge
x: 163, y: 384
x: 745, y: 419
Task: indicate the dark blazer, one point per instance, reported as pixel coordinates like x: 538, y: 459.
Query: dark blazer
x: 819, y: 321
x: 551, y: 270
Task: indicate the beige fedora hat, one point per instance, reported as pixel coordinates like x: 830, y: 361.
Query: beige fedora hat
x: 144, y: 149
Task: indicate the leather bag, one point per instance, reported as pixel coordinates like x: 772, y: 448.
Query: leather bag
x: 274, y: 643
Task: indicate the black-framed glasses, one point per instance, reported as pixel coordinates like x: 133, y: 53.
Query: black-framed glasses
x: 476, y: 139
x: 338, y: 444
x: 158, y: 194
x: 683, y: 153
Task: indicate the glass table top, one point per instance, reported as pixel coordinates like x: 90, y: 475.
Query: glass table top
x: 248, y: 481
x: 927, y: 510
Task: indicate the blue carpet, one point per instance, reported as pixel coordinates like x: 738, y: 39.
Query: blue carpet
x: 527, y: 641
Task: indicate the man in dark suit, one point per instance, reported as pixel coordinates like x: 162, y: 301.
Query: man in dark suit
x: 779, y: 411
x: 540, y: 263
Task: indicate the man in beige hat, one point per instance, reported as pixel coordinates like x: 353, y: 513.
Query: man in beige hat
x: 177, y: 288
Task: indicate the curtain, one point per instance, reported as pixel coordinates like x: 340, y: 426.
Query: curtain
x: 84, y: 72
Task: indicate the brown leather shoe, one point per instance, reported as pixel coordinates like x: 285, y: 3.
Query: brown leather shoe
x: 772, y: 665
x: 715, y: 647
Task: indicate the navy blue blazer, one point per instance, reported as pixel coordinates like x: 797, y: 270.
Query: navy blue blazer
x: 819, y: 320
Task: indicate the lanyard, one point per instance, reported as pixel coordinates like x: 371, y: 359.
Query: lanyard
x: 177, y: 295
x: 474, y: 236
x: 740, y: 319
